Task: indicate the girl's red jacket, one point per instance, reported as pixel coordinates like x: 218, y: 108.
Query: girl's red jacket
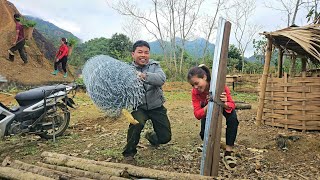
x: 199, y: 99
x: 63, y: 51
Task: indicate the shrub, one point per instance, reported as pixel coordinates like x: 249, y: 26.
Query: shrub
x: 27, y: 23
x: 72, y: 42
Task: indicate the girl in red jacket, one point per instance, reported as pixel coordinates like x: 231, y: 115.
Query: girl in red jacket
x: 199, y: 78
x: 61, y: 57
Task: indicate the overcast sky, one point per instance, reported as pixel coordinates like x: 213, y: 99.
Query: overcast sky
x: 94, y: 19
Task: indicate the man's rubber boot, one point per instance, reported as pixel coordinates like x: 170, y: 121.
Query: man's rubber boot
x: 10, y: 52
x: 11, y: 58
x: 55, y: 72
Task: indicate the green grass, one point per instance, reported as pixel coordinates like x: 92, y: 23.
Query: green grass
x: 236, y: 96
x: 246, y: 97
x: 29, y: 150
x: 114, y: 153
x: 173, y: 96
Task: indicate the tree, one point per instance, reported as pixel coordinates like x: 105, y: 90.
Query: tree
x: 209, y: 24
x: 131, y: 27
x: 244, y: 31
x: 85, y: 51
x: 313, y: 14
x: 260, y: 49
x: 234, y: 59
x: 188, y: 11
x: 165, y: 20
x: 149, y: 19
x: 288, y: 7
x: 120, y: 47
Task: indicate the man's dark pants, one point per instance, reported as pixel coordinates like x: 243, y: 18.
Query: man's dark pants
x: 161, y: 126
x: 20, y: 47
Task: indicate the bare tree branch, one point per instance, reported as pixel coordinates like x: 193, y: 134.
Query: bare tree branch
x: 244, y: 31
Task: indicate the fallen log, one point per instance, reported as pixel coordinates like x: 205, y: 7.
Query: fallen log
x: 11, y: 173
x: 138, y: 172
x: 43, y: 171
x: 83, y: 166
x: 79, y: 172
x: 243, y: 106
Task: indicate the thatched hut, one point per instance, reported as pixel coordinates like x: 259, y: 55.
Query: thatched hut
x: 291, y: 100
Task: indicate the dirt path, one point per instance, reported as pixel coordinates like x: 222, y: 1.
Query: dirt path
x: 93, y: 136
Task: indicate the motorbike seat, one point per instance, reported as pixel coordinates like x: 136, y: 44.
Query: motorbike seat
x: 27, y: 97
x: 15, y: 109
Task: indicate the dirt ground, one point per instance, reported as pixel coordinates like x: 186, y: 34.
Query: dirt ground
x: 92, y: 135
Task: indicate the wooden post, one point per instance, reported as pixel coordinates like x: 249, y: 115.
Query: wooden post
x: 303, y: 64
x: 280, y: 63
x: 211, y: 149
x: 293, y: 66
x: 263, y: 83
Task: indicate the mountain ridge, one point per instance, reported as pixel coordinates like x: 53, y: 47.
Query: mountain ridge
x: 50, y: 31
x: 194, y: 47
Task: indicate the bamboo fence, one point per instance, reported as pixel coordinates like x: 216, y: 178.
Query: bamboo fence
x: 292, y: 102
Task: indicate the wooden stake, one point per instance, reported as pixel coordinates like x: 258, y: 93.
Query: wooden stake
x: 263, y: 83
x: 211, y: 153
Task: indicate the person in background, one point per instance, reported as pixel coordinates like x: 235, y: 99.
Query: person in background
x: 19, y: 41
x: 152, y: 108
x: 61, y: 57
x: 199, y: 77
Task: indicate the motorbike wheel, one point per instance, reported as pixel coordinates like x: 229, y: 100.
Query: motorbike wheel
x: 61, y: 121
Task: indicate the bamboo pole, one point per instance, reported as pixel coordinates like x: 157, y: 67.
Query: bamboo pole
x: 263, y: 83
x: 280, y: 63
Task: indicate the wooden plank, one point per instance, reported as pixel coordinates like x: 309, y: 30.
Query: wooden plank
x: 211, y: 149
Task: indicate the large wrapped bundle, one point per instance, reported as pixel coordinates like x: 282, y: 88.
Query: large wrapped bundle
x: 112, y: 85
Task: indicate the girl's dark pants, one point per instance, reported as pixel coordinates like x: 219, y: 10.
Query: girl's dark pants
x: 63, y: 61
x: 232, y: 127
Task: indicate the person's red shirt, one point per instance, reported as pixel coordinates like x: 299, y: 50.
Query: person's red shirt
x: 63, y: 51
x: 199, y: 99
x: 19, y: 28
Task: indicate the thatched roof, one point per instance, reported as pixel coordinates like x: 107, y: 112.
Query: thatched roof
x: 304, y: 40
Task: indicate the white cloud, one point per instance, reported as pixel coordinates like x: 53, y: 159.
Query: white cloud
x: 84, y: 19
x: 92, y: 19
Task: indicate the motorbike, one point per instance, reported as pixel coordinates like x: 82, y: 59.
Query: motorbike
x: 42, y: 111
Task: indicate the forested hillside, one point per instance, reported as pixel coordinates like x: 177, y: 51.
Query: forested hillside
x: 50, y: 31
